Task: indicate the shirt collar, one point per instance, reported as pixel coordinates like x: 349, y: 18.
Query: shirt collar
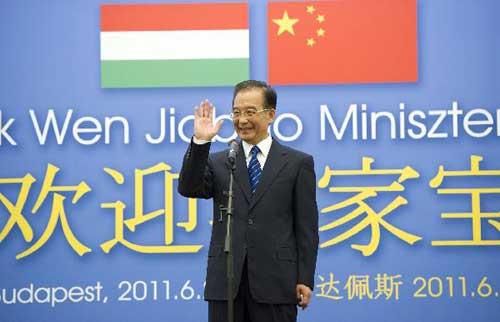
x: 264, y: 147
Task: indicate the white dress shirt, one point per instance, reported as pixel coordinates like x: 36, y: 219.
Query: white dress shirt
x: 264, y: 147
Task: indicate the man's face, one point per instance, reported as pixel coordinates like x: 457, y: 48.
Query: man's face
x: 251, y: 129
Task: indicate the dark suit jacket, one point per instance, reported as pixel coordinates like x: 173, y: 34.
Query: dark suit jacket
x: 276, y: 228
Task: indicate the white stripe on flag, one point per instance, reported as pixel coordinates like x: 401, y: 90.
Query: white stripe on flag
x: 178, y: 44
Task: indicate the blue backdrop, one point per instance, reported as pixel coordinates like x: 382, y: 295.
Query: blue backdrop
x: 49, y: 60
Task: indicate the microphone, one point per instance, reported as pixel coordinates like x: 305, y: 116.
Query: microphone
x: 233, y: 151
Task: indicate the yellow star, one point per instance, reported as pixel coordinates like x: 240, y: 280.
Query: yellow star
x: 310, y: 9
x: 285, y: 24
x: 320, y: 32
x: 310, y: 42
x: 320, y: 18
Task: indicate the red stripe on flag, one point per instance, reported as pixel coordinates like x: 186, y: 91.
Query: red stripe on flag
x: 153, y: 17
x: 362, y: 41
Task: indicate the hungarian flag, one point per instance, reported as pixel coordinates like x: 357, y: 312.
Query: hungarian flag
x: 159, y: 45
x: 342, y: 41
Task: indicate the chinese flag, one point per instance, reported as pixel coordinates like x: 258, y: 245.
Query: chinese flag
x: 342, y: 41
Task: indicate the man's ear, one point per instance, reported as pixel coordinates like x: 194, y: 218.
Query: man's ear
x: 272, y: 114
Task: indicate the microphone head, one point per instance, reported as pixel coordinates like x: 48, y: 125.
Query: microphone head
x: 234, y: 145
x: 233, y: 150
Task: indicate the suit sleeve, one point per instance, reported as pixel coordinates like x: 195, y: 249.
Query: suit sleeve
x: 195, y: 179
x: 306, y: 222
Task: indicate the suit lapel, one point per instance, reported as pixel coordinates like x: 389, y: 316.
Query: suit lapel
x: 241, y: 174
x: 275, y: 161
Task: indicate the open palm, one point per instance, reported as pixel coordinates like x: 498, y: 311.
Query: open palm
x: 204, y: 127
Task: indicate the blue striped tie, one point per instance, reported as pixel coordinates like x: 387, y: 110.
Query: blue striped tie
x: 254, y: 170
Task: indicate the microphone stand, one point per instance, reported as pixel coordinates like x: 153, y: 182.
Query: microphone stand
x: 228, y: 247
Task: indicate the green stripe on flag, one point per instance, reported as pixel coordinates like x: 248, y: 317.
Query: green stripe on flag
x: 170, y: 73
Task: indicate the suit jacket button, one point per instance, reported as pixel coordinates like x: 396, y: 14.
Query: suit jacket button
x: 250, y: 221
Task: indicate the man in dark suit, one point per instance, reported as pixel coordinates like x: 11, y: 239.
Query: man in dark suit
x: 275, y: 217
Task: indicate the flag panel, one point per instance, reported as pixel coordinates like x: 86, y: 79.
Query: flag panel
x: 344, y: 41
x: 174, y: 45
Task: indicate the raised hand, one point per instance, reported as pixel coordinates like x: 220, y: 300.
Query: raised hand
x: 204, y: 128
